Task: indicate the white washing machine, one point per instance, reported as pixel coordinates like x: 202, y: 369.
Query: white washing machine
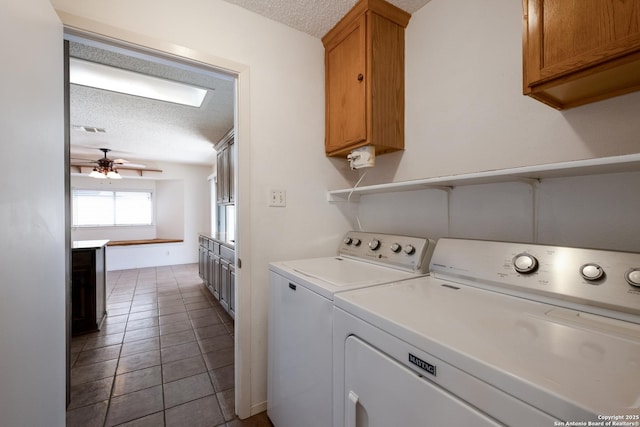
x: 299, y: 376
x: 499, y: 334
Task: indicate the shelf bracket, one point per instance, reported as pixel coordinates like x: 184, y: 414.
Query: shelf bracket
x: 449, y: 191
x: 333, y: 198
x: 446, y: 188
x: 535, y: 185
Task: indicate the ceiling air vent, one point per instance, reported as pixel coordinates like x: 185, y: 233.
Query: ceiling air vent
x: 89, y: 129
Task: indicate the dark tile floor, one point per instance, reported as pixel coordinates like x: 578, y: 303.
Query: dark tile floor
x: 164, y: 356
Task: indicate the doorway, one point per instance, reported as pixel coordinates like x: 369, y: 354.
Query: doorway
x: 185, y: 65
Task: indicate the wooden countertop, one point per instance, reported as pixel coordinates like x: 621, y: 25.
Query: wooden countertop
x: 142, y: 242
x: 220, y: 238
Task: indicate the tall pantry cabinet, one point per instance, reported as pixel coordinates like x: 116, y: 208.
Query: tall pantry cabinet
x: 217, y: 264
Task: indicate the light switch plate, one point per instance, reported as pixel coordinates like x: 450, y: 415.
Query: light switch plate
x: 277, y: 198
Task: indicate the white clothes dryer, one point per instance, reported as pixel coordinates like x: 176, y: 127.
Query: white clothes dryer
x: 499, y: 334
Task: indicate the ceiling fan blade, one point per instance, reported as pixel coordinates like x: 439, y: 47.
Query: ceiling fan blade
x: 141, y: 168
x: 83, y: 164
x: 82, y: 160
x: 123, y: 162
x: 130, y: 166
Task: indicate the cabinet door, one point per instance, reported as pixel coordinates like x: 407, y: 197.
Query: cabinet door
x: 580, y: 51
x: 101, y: 278
x: 346, y: 82
x: 222, y: 183
x: 201, y: 263
x: 216, y: 276
x: 231, y: 173
x: 211, y: 277
x: 225, y: 189
x: 232, y: 291
x: 574, y: 35
x: 219, y: 177
x: 224, y: 284
x: 83, y: 289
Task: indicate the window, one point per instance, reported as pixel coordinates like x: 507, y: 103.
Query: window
x: 97, y: 208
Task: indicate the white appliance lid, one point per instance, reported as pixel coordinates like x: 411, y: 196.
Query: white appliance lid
x: 329, y: 275
x: 542, y: 354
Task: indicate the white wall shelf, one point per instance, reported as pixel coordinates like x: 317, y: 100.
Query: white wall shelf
x: 602, y: 165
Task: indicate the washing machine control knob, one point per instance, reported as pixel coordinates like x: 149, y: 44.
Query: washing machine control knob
x: 356, y: 242
x: 374, y: 244
x: 348, y: 240
x: 395, y: 248
x: 409, y: 250
x: 591, y: 272
x: 525, y: 263
x: 633, y: 276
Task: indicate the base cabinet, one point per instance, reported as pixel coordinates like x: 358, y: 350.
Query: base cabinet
x: 88, y: 283
x: 216, y: 265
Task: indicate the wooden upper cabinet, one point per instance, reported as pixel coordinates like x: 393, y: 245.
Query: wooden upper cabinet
x: 580, y: 51
x: 364, y: 72
x: 346, y: 95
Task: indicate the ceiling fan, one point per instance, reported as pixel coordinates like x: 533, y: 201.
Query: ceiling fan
x: 108, y: 168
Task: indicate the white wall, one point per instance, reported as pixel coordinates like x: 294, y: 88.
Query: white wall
x: 465, y: 112
x: 280, y: 141
x: 598, y: 211
x: 182, y: 211
x: 170, y: 208
x: 32, y: 227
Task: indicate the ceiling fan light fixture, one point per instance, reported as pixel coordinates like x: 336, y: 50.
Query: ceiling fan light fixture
x: 113, y: 174
x: 92, y: 74
x: 108, y: 168
x: 95, y: 173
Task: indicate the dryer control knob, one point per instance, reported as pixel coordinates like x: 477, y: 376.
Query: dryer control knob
x: 395, y: 248
x: 633, y: 276
x: 374, y: 244
x: 348, y: 240
x: 409, y: 250
x: 525, y: 263
x: 591, y: 272
x: 356, y: 242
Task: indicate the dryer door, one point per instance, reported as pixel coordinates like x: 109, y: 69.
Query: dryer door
x: 380, y: 392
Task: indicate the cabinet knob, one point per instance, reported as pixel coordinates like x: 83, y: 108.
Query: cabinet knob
x: 360, y: 77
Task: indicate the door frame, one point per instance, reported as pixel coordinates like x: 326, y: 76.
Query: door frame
x: 88, y: 31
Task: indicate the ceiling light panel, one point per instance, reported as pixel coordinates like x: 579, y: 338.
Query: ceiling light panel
x: 92, y: 74
x: 88, y: 129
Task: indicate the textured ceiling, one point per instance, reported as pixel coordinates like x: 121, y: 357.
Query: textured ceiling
x: 312, y: 16
x: 139, y: 129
